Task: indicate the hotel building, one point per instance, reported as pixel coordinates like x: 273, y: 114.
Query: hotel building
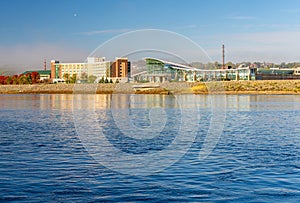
x: 120, y: 68
x: 96, y: 66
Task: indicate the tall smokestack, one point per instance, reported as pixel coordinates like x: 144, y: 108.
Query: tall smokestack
x: 45, y: 64
x: 223, y: 56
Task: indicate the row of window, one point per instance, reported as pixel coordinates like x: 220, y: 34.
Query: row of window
x: 73, y: 65
x: 74, y: 70
x: 64, y: 68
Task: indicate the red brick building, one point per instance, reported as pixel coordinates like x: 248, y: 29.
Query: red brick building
x: 120, y: 68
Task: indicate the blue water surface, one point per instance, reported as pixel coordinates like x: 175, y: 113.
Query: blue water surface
x: 256, y: 159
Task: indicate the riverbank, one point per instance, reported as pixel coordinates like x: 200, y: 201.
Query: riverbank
x: 226, y: 87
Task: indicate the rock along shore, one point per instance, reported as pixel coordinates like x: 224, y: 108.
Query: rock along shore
x: 226, y: 87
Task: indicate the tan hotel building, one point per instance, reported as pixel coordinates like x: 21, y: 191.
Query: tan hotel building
x: 98, y: 67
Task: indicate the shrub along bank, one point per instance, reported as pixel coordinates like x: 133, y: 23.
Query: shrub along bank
x: 226, y: 87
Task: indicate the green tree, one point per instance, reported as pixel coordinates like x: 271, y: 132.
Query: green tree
x: 230, y: 64
x: 9, y: 80
x: 91, y: 79
x: 28, y: 78
x: 106, y: 80
x: 84, y: 76
x: 102, y: 80
x: 210, y: 65
x: 283, y: 65
x: 216, y: 64
x: 15, y: 80
x: 66, y: 77
x: 117, y: 80
x: 73, y: 78
x: 22, y: 79
x: 110, y: 81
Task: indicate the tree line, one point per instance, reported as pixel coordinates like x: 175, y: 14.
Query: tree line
x: 29, y: 78
x: 71, y: 79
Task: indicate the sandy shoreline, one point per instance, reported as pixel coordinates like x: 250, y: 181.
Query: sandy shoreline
x: 227, y: 87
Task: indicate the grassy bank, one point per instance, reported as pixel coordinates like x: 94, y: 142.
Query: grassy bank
x: 248, y: 87
x: 226, y: 87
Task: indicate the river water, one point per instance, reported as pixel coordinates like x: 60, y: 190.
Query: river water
x: 155, y: 148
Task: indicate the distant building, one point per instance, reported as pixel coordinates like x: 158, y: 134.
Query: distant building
x: 278, y: 74
x: 159, y: 70
x: 44, y: 74
x: 55, y: 69
x: 96, y: 66
x: 59, y: 69
x: 297, y: 71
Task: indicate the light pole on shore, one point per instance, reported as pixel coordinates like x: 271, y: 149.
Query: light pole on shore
x: 223, y: 56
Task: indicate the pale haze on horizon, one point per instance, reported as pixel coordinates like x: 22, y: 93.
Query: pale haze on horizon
x: 254, y: 31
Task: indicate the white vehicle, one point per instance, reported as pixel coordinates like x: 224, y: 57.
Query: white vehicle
x: 58, y: 80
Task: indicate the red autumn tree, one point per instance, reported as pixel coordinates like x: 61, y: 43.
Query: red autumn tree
x: 35, y: 77
x: 2, y: 79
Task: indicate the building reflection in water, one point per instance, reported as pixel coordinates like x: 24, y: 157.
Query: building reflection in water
x: 118, y: 101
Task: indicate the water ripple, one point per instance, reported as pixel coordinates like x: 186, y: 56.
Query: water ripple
x: 256, y: 160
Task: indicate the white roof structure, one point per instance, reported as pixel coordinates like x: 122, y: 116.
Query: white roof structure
x: 190, y: 68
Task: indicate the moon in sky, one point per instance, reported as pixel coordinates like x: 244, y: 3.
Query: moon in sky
x: 75, y: 14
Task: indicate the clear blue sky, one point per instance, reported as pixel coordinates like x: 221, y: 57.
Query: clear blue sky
x: 256, y: 30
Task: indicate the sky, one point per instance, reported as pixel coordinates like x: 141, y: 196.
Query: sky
x: 70, y: 30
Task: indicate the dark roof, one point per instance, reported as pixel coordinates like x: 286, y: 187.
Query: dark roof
x: 41, y: 72
x: 274, y: 71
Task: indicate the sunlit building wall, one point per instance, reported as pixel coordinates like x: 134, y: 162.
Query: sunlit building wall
x: 95, y: 66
